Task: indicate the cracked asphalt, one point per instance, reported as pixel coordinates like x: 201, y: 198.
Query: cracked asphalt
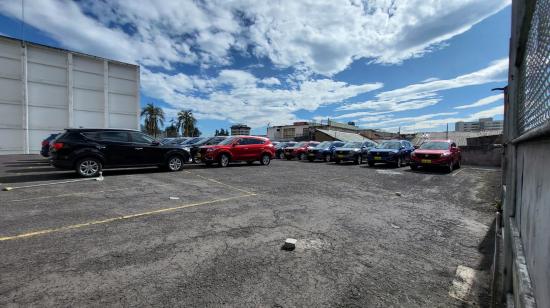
x: 124, y: 242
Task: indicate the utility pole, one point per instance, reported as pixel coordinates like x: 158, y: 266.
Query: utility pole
x: 447, y: 134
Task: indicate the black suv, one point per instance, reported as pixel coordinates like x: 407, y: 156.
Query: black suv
x: 89, y: 150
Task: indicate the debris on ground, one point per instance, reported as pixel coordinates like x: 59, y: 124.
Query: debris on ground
x: 290, y: 244
x: 395, y: 226
x: 174, y: 198
x: 398, y: 194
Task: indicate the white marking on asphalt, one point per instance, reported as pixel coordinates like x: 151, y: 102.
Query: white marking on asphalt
x: 462, y: 283
x: 52, y: 183
x: 457, y: 172
x: 389, y: 172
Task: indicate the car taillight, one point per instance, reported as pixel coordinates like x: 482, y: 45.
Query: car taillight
x: 45, y: 143
x: 57, y: 145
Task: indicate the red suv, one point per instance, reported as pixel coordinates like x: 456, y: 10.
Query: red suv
x: 443, y: 153
x: 299, y: 150
x: 238, y: 148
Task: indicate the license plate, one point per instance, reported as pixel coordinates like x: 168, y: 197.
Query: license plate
x: 198, y: 155
x: 377, y: 158
x: 426, y: 161
x: 341, y: 156
x: 311, y: 154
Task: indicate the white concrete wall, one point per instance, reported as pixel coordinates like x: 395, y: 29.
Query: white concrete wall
x: 45, y: 90
x: 533, y: 213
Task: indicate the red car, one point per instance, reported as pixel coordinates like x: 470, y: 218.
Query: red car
x: 299, y: 150
x: 238, y: 148
x: 441, y: 153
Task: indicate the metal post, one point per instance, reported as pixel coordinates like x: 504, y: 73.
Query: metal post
x: 105, y: 94
x: 25, y: 98
x: 70, y: 85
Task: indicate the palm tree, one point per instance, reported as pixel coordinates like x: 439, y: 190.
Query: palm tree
x: 154, y: 118
x: 187, y: 122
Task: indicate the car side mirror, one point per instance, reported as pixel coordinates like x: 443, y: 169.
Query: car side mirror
x: 415, y: 147
x: 155, y: 142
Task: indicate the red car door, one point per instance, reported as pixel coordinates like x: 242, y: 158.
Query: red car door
x: 241, y: 150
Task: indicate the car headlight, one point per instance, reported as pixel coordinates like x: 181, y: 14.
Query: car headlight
x: 187, y: 149
x: 446, y: 154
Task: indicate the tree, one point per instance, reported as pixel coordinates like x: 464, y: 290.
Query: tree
x: 196, y: 132
x: 187, y: 122
x: 172, y: 130
x: 222, y: 132
x: 154, y: 118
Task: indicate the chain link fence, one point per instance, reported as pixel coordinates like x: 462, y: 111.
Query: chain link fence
x: 534, y: 83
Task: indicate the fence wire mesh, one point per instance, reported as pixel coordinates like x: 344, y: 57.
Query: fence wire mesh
x: 534, y: 94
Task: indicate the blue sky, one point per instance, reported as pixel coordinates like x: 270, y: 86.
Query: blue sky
x: 415, y: 64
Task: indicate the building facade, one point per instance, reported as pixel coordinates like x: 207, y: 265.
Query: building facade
x: 240, y: 130
x: 482, y: 124
x: 306, y: 130
x: 44, y: 90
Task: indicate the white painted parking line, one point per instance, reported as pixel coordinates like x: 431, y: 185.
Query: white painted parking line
x: 457, y: 172
x: 100, y: 178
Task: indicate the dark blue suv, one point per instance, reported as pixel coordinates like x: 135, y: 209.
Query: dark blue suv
x: 323, y: 151
x: 396, y: 152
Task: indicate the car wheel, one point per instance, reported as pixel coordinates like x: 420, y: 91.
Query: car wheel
x: 399, y: 162
x: 281, y: 156
x: 265, y: 160
x: 371, y: 163
x: 449, y: 168
x: 223, y: 160
x: 303, y: 156
x: 175, y: 163
x: 327, y: 158
x: 88, y: 167
x: 358, y: 160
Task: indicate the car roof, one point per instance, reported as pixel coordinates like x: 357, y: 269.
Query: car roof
x: 100, y: 129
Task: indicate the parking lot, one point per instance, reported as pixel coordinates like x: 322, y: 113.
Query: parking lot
x: 212, y: 236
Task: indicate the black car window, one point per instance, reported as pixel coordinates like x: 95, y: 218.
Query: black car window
x: 114, y: 136
x: 245, y: 141
x: 255, y: 141
x: 141, y: 138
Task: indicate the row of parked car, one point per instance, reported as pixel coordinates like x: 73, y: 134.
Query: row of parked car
x: 440, y: 153
x: 88, y: 151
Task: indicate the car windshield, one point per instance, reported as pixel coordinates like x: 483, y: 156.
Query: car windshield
x: 215, y: 140
x: 435, y: 145
x: 323, y: 144
x: 228, y: 141
x: 393, y: 145
x: 352, y: 145
x: 301, y: 144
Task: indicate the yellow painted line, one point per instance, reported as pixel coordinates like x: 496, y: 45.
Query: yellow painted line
x: 220, y: 183
x: 118, y: 218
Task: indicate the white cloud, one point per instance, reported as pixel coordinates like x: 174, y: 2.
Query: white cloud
x: 482, y: 102
x: 234, y: 95
x: 431, y: 122
x: 271, y: 81
x: 320, y: 36
x: 424, y: 94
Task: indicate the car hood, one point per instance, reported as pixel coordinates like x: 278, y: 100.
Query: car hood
x: 384, y: 150
x: 419, y: 151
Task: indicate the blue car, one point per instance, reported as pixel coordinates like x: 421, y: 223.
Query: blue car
x: 395, y: 152
x: 323, y: 151
x: 353, y: 151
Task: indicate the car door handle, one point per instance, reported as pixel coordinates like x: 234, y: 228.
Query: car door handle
x: 138, y: 148
x: 246, y: 148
